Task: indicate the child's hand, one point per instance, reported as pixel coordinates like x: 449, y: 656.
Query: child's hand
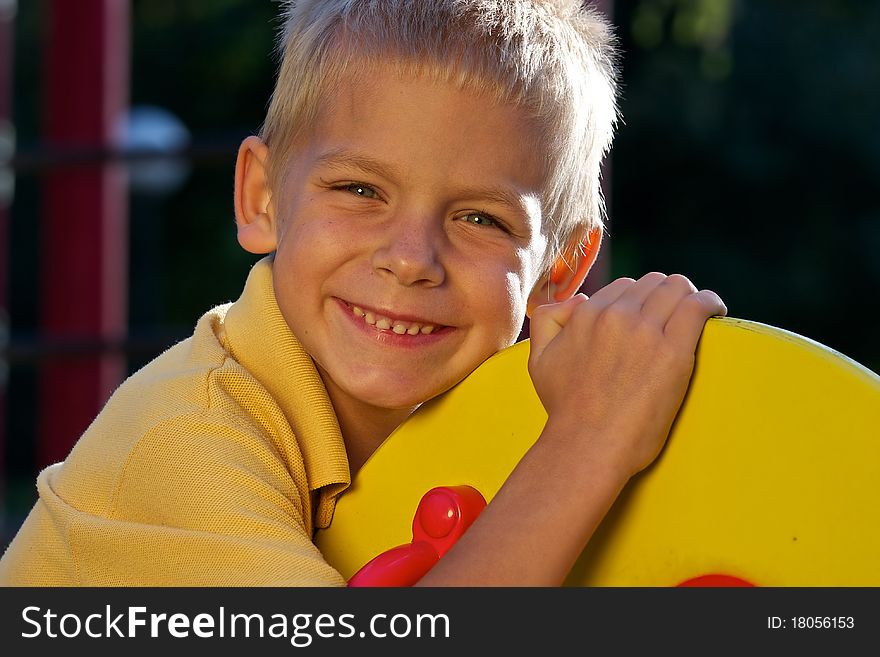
x: 612, y: 370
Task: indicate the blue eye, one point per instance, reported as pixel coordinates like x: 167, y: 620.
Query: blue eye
x: 361, y: 190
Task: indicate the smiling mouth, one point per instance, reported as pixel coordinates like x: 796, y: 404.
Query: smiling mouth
x: 398, y: 326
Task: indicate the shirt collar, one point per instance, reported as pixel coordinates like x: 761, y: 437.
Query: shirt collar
x: 260, y: 339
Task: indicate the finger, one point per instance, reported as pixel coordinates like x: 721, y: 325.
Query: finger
x: 611, y: 292
x: 664, y: 298
x: 602, y: 299
x: 690, y: 315
x: 635, y: 295
x: 548, y: 320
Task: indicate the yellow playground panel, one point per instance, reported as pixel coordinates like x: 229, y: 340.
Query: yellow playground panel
x: 771, y: 473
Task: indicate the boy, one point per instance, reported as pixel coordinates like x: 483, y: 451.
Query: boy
x: 428, y: 175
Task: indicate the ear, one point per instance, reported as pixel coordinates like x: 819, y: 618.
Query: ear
x: 567, y: 273
x: 254, y: 214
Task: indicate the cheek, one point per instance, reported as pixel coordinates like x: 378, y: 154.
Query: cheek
x: 519, y: 283
x: 518, y: 297
x: 506, y: 303
x: 309, y: 241
x: 523, y: 279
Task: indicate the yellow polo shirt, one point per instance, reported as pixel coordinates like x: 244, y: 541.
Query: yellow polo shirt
x: 211, y: 466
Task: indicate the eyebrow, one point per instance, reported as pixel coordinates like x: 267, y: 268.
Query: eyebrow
x: 496, y: 195
x: 341, y: 158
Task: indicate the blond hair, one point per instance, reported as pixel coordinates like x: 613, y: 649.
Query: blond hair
x: 554, y: 59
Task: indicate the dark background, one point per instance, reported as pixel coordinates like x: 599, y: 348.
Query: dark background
x: 748, y: 159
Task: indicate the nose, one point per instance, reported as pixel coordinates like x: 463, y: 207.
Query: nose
x: 410, y: 252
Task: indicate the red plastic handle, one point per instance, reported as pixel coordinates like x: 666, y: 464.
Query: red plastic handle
x: 442, y: 516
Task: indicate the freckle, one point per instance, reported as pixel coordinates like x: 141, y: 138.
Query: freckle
x: 794, y: 538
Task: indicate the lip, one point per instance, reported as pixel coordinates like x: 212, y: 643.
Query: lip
x: 412, y: 319
x: 387, y: 335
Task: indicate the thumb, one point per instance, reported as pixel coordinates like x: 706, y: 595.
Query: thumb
x: 547, y: 321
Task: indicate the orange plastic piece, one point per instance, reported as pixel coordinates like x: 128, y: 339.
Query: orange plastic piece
x: 442, y: 516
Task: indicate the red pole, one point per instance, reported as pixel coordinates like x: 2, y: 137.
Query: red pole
x: 84, y: 238
x: 7, y: 147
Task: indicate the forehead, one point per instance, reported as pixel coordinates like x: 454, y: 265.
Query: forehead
x: 415, y: 121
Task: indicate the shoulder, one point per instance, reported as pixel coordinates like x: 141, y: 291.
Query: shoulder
x: 197, y: 469
x: 191, y: 418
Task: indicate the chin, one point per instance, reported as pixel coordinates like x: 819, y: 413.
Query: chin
x: 396, y: 402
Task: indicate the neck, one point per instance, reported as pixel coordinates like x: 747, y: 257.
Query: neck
x: 364, y: 432
x: 364, y: 427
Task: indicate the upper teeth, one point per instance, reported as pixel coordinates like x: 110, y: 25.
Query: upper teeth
x: 399, y: 327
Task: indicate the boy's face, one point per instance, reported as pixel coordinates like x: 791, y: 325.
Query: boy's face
x: 409, y: 237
